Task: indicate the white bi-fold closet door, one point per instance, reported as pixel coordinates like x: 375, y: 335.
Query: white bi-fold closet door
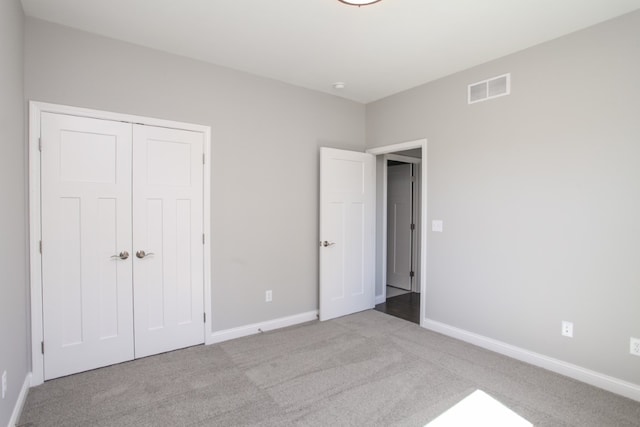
x: 122, y: 250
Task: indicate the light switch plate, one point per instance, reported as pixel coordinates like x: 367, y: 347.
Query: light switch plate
x: 634, y: 347
x: 437, y: 225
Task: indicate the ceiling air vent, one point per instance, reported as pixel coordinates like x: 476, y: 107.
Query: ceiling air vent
x: 490, y: 88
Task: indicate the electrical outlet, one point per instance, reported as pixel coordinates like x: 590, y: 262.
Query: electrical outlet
x: 268, y: 296
x: 567, y: 329
x: 634, y: 346
x: 4, y: 384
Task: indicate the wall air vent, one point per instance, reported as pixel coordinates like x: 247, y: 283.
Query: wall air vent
x: 489, y: 89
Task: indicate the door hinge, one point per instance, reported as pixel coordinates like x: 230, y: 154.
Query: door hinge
x: 40, y: 144
x: 204, y: 317
x: 42, y: 346
x: 40, y: 246
x: 413, y: 227
x: 412, y: 273
x: 203, y: 158
x: 203, y: 238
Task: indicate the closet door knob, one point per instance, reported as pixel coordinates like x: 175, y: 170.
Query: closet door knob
x: 121, y: 255
x: 142, y: 254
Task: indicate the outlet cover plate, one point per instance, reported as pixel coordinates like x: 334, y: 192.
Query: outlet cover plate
x: 567, y: 329
x: 268, y: 296
x: 4, y: 384
x: 634, y: 347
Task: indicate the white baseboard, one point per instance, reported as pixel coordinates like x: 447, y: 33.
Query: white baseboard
x: 606, y: 382
x: 380, y: 299
x: 256, y: 328
x: 22, y: 397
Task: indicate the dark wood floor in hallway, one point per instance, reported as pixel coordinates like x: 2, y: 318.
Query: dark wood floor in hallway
x: 405, y: 307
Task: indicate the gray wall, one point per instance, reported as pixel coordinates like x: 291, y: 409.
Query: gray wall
x: 540, y: 196
x: 13, y: 213
x: 265, y: 155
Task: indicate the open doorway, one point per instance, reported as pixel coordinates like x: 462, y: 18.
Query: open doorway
x: 400, y: 235
x: 402, y: 293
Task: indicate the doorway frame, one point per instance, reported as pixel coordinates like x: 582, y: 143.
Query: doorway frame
x: 390, y: 150
x: 415, y: 196
x: 36, y: 109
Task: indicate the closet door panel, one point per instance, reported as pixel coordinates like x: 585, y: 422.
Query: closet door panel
x: 86, y: 223
x: 167, y: 236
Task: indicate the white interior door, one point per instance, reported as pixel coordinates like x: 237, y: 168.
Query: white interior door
x: 399, y: 219
x: 86, y: 223
x: 168, y: 239
x: 347, y: 232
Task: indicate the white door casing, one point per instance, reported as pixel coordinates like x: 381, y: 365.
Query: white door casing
x: 84, y: 159
x: 388, y: 151
x: 399, y: 233
x: 86, y: 205
x: 347, y: 232
x: 168, y: 227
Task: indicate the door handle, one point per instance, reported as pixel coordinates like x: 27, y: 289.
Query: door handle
x: 121, y: 255
x: 142, y: 254
x: 325, y: 243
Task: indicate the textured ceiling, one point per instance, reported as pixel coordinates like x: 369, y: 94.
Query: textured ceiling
x: 377, y: 50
